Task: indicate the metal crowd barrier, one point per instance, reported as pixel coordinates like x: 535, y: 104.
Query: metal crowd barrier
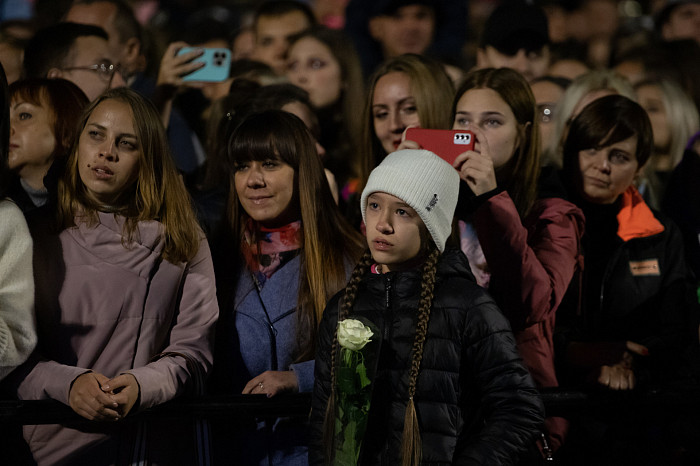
x: 558, y: 402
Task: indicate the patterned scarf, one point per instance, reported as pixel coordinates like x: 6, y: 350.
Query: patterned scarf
x: 274, y: 248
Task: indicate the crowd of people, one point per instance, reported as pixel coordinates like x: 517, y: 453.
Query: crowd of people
x: 276, y: 230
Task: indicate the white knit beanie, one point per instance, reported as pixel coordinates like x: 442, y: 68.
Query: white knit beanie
x: 422, y: 180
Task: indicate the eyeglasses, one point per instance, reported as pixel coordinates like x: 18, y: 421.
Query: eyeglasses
x: 545, y: 112
x: 104, y: 70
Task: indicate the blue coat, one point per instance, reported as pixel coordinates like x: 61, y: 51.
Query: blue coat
x: 245, y: 342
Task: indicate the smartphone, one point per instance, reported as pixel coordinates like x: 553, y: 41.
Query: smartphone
x: 217, y: 64
x: 446, y: 143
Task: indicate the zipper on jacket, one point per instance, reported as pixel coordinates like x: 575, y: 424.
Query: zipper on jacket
x: 387, y: 305
x: 606, y: 275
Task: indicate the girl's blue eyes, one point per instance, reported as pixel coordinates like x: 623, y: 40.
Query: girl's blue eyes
x: 400, y: 212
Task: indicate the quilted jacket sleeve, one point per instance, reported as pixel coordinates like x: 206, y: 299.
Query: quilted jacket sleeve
x: 509, y: 410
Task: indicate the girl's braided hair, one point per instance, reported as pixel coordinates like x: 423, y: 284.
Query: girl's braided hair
x: 411, y: 442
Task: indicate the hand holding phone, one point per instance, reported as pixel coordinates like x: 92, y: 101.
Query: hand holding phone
x: 217, y: 64
x: 445, y: 143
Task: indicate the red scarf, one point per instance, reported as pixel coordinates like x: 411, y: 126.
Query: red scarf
x: 268, y: 249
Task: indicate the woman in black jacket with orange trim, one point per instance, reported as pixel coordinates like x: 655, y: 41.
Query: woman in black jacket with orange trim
x: 630, y: 318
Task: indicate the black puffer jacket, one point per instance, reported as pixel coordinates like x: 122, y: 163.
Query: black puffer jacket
x: 475, y: 400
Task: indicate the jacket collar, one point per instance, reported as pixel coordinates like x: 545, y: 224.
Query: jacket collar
x: 635, y: 219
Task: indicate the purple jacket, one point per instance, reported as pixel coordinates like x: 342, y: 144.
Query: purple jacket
x: 114, y: 309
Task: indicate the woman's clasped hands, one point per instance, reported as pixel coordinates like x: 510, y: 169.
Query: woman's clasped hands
x: 98, y: 398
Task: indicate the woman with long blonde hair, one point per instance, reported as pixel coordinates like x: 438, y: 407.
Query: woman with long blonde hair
x: 125, y: 297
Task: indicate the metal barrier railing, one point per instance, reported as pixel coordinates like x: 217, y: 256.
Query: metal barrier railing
x: 558, y: 402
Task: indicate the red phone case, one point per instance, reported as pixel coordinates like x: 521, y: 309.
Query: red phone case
x: 446, y: 143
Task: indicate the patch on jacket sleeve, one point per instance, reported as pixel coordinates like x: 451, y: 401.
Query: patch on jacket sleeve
x: 648, y: 267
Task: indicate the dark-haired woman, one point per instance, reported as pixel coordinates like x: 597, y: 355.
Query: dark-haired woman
x: 17, y: 326
x: 634, y: 317
x: 286, y: 251
x: 449, y: 386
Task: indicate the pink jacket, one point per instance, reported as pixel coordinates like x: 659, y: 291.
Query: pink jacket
x: 112, y: 309
x: 531, y: 264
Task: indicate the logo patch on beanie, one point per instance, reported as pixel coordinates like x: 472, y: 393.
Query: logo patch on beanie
x: 432, y: 203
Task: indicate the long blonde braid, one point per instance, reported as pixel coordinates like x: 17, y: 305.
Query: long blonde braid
x: 411, y: 441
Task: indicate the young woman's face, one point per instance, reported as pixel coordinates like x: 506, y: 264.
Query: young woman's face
x: 393, y: 232
x: 312, y: 66
x: 651, y: 100
x: 109, y: 152
x: 607, y: 172
x: 393, y: 109
x: 266, y: 191
x: 486, y: 109
x: 32, y: 140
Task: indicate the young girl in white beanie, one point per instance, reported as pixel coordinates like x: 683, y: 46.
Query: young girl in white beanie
x: 449, y: 385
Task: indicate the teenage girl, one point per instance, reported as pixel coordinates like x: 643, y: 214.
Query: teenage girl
x: 450, y: 385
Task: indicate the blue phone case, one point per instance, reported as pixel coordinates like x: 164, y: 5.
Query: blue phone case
x: 216, y: 68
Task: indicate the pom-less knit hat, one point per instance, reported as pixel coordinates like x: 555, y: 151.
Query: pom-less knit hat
x: 422, y: 180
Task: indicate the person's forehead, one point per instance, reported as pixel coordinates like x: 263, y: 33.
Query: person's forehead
x: 89, y: 50
x: 294, y: 21
x: 98, y: 14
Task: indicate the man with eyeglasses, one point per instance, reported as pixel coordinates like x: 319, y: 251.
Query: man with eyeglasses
x: 76, y: 52
x: 125, y: 41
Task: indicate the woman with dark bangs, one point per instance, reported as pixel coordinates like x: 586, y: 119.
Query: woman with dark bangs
x: 287, y: 251
x: 636, y: 298
x: 634, y: 315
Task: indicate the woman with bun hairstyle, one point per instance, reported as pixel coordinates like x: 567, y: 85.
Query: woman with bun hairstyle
x: 125, y: 294
x: 286, y: 250
x: 449, y: 385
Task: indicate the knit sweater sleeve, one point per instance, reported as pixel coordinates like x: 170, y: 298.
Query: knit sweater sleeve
x: 17, y: 325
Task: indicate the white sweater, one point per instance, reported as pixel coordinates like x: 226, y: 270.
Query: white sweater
x: 17, y: 323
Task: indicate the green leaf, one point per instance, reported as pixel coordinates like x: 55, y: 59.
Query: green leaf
x: 362, y: 374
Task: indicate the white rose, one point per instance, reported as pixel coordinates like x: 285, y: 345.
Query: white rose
x: 353, y: 334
